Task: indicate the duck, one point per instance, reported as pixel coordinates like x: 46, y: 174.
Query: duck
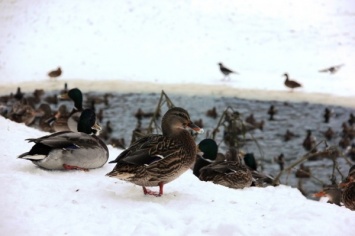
x: 226, y: 71
x: 44, y: 123
x: 288, y: 135
x: 292, y: 84
x: 331, y: 69
x: 303, y: 172
x: 55, y: 73
x: 329, y: 134
x: 230, y: 172
x: 19, y: 95
x: 250, y: 120
x: 157, y: 159
x: 310, y: 143
x: 271, y: 112
x: 59, y: 121
x: 77, y: 97
x: 259, y: 179
x: 212, y: 113
x: 327, y: 114
x: 207, y: 153
x: 68, y: 150
x: 348, y: 187
x: 332, y: 192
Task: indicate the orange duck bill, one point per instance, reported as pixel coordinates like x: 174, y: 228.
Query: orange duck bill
x: 195, y: 128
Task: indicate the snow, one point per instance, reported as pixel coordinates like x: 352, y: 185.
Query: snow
x: 173, y: 45
x: 39, y: 202
x: 181, y: 42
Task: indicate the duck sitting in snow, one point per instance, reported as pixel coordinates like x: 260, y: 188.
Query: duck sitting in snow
x: 348, y: 186
x: 230, y: 172
x: 208, y: 155
x: 332, y: 192
x: 70, y: 150
x: 155, y: 160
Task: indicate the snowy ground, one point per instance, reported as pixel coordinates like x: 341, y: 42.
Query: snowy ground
x: 39, y: 202
x: 181, y: 42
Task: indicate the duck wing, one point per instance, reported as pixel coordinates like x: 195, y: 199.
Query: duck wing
x: 222, y: 167
x: 66, y: 139
x: 149, y: 149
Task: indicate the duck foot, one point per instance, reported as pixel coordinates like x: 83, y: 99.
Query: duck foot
x: 69, y: 167
x: 150, y: 192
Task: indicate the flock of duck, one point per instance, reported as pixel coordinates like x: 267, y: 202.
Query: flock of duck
x: 152, y: 160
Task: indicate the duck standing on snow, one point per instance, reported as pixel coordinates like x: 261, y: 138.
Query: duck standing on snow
x: 292, y: 84
x: 155, y: 160
x: 69, y: 150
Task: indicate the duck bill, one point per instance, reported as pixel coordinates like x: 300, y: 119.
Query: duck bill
x: 96, y: 127
x: 195, y: 128
x: 63, y: 96
x: 319, y: 194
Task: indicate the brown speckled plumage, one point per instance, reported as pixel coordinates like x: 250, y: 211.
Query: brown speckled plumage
x: 155, y: 160
x: 348, y: 185
x: 231, y: 172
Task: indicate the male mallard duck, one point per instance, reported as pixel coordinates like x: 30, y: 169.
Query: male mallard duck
x: 69, y: 122
x: 209, y: 150
x: 155, y: 160
x: 259, y: 179
x: 55, y: 73
x: 226, y: 71
x: 229, y: 173
x: 70, y: 150
x: 348, y: 186
x: 291, y: 83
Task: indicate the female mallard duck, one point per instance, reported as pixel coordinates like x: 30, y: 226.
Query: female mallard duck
x: 348, y: 186
x: 230, y: 172
x: 332, y: 192
x: 156, y: 159
x: 70, y: 150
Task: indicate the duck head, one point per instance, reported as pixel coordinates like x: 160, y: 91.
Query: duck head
x: 177, y: 119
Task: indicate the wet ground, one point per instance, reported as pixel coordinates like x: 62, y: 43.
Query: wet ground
x: 266, y: 144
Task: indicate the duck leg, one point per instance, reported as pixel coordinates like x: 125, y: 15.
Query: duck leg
x: 150, y: 192
x: 69, y: 167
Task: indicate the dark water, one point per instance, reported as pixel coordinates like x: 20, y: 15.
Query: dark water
x: 296, y: 117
